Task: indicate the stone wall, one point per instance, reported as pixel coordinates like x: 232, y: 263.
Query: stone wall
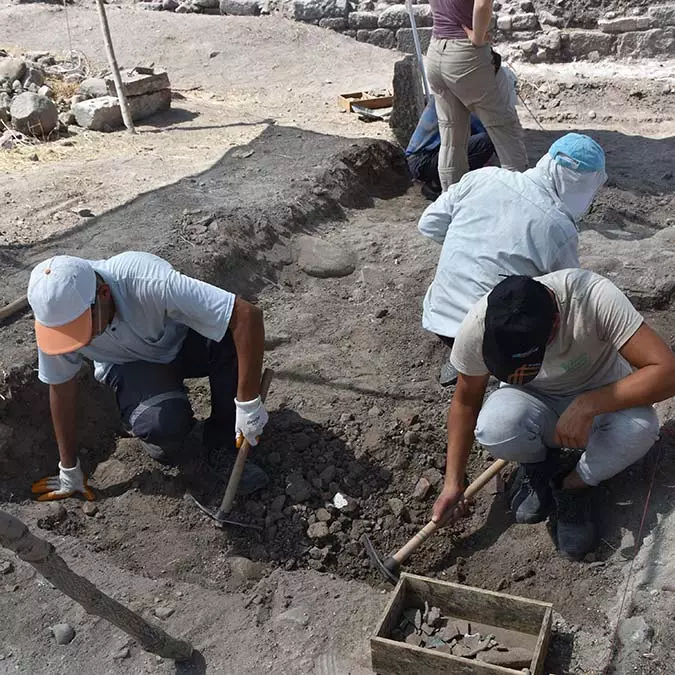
x: 536, y: 34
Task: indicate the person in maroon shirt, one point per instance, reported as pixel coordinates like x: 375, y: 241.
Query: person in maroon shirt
x: 461, y: 74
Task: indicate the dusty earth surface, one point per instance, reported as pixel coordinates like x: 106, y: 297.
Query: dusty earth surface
x: 222, y: 186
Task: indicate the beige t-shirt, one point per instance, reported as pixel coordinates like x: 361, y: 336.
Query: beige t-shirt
x: 596, y: 320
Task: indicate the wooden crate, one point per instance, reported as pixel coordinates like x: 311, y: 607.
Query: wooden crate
x: 345, y: 101
x: 496, y: 612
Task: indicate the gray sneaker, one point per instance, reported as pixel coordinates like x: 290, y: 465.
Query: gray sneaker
x: 449, y: 373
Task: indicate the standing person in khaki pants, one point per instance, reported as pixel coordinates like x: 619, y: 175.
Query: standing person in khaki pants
x: 462, y: 76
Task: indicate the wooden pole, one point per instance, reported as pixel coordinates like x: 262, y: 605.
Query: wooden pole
x: 39, y: 553
x: 121, y: 95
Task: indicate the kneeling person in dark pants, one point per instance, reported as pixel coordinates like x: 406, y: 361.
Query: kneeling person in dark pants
x: 422, y: 151
x: 147, y: 328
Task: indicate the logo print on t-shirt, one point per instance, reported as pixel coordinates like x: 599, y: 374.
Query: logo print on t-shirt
x: 576, y: 363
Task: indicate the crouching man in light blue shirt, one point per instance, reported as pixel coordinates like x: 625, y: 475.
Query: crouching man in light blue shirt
x: 146, y: 327
x: 496, y: 222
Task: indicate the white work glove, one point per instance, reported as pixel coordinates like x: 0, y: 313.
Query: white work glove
x: 251, y: 419
x: 66, y: 484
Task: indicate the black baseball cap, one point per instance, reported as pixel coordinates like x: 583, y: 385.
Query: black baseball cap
x: 519, y: 319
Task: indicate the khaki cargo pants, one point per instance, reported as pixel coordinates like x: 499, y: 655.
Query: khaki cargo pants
x: 462, y: 78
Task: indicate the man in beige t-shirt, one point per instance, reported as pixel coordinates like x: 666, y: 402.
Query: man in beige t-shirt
x: 580, y: 369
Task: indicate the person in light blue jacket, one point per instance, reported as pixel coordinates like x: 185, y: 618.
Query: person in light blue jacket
x: 496, y: 222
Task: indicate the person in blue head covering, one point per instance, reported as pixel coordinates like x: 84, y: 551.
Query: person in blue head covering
x: 496, y: 221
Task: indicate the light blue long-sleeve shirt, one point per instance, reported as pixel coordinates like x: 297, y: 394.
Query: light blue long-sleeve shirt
x: 493, y: 222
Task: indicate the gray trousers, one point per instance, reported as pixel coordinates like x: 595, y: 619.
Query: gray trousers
x: 154, y: 405
x: 518, y: 425
x: 463, y: 80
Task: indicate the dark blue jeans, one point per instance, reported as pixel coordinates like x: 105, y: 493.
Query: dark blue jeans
x: 424, y: 165
x: 153, y: 401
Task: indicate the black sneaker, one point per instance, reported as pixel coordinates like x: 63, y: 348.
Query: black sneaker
x: 221, y: 461
x: 431, y: 191
x: 574, y: 531
x: 530, y: 495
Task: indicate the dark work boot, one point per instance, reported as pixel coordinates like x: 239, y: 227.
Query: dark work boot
x: 531, y: 498
x: 574, y: 531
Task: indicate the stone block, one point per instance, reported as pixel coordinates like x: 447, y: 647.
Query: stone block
x: 137, y: 84
x: 583, y: 42
x: 98, y: 114
x: 504, y: 23
x: 549, y: 19
x: 149, y: 104
x: 396, y: 17
x: 524, y: 22
x: 408, y: 98
x: 362, y: 20
x: 380, y: 37
x: 240, y: 7
x: 104, y: 114
x: 93, y: 87
x: 552, y: 40
x: 662, y: 15
x: 311, y: 11
x: 624, y: 24
x: 34, y: 114
x: 206, y: 4
x: 11, y: 69
x: 406, y: 43
x: 646, y: 44
x: 333, y: 23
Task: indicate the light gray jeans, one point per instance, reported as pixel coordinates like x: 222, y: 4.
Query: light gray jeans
x: 462, y: 78
x: 518, y: 425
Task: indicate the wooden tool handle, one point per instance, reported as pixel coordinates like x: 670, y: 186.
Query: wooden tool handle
x: 238, y: 469
x: 13, y: 307
x: 406, y: 550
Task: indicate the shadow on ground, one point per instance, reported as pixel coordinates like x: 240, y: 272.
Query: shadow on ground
x: 639, y: 195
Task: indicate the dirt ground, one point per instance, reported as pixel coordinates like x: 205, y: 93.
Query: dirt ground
x: 355, y: 406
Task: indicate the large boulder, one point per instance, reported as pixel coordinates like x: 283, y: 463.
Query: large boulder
x: 323, y: 259
x: 98, y: 114
x: 312, y: 11
x: 397, y: 16
x: 624, y: 24
x: 583, y: 42
x: 93, y: 87
x: 34, y: 114
x: 646, y: 44
x: 240, y: 7
x: 405, y: 42
x: 408, y: 99
x: 11, y: 68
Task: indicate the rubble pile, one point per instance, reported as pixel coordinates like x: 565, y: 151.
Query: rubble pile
x: 42, y: 94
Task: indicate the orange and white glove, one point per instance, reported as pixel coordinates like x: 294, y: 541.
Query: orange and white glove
x: 251, y: 419
x: 66, y: 484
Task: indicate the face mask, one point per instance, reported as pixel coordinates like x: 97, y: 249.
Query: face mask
x: 574, y: 189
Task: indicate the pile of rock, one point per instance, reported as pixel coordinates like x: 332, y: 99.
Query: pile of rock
x: 430, y: 629
x: 26, y: 102
x: 36, y: 101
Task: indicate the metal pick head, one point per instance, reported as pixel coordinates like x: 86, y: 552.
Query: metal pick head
x: 387, y: 568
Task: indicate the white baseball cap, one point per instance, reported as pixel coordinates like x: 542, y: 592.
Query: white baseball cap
x: 61, y: 292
